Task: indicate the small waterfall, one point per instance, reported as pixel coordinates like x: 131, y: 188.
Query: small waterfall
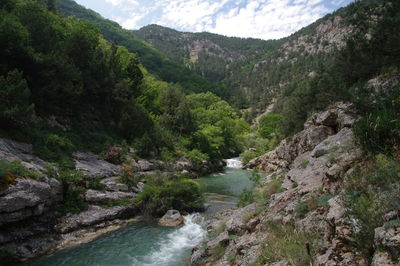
x: 186, y: 237
x: 234, y: 163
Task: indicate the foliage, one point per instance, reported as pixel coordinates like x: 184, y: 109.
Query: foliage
x: 246, y: 197
x: 256, y: 145
x: 15, y: 105
x: 128, y: 175
x: 268, y: 125
x: 265, y: 192
x: 73, y: 201
x: 370, y: 193
x: 179, y: 194
x: 301, y: 209
x: 379, y: 130
x: 114, y: 154
x: 289, y: 243
x: 9, y: 171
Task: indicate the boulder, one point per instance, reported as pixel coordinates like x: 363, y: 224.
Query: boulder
x: 94, y: 215
x: 95, y: 196
x: 13, y: 150
x: 94, y: 166
x: 388, y: 239
x: 382, y: 258
x: 28, y: 198
x: 171, y: 218
x: 112, y: 184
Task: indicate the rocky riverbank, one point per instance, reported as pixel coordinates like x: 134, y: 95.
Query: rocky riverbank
x: 299, y: 217
x: 31, y: 223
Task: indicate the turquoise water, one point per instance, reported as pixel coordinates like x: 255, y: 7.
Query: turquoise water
x: 230, y: 182
x: 148, y: 244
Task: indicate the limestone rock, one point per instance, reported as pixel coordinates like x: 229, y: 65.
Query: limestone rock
x: 112, y: 184
x: 94, y: 166
x: 94, y: 215
x: 382, y: 258
x: 13, y: 150
x: 28, y: 198
x: 171, y: 218
x: 95, y: 196
x: 389, y: 239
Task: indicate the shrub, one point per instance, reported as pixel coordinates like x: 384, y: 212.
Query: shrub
x: 289, y: 243
x: 9, y: 171
x: 323, y: 200
x: 304, y: 164
x: 272, y: 187
x: 73, y: 200
x: 268, y: 125
x: 370, y: 193
x: 301, y: 210
x: 114, y: 154
x: 379, y: 130
x: 15, y: 105
x: 246, y: 197
x: 180, y: 194
x: 128, y: 176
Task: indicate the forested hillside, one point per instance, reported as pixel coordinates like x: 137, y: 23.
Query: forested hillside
x: 65, y: 87
x: 156, y: 62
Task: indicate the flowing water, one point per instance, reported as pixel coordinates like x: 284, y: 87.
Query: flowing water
x: 149, y: 244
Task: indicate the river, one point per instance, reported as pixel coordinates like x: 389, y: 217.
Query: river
x: 148, y: 244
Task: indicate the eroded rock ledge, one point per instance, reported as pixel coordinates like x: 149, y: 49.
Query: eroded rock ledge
x: 307, y: 168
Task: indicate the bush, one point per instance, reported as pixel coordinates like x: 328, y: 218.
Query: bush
x: 73, y: 200
x: 128, y: 176
x: 379, y: 130
x: 301, y: 210
x: 179, y: 194
x: 289, y: 243
x: 114, y: 154
x: 269, y: 125
x: 246, y: 197
x: 15, y: 105
x: 370, y: 193
x: 10, y: 171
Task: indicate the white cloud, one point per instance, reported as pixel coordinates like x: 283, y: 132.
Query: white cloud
x: 122, y: 2
x: 266, y: 19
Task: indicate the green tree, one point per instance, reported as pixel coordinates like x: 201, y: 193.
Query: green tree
x: 15, y: 105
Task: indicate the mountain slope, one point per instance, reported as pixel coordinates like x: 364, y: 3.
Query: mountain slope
x: 255, y: 70
x: 152, y: 59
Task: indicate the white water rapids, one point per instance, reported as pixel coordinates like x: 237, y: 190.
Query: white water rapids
x: 185, y: 238
x: 234, y: 163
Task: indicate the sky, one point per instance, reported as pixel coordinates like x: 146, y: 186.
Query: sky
x: 263, y: 19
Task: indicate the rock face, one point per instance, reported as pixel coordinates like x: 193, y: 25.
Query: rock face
x: 306, y: 170
x: 13, y: 150
x: 171, y: 218
x: 94, y: 166
x: 28, y: 198
x: 94, y: 215
x: 99, y: 197
x: 316, y: 129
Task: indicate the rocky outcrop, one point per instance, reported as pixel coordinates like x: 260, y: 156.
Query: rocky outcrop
x: 94, y: 215
x: 28, y: 198
x: 301, y: 188
x: 94, y: 166
x: 171, y: 218
x: 317, y: 128
x: 95, y: 196
x: 13, y: 150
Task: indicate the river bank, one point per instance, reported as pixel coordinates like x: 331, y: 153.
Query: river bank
x: 142, y: 243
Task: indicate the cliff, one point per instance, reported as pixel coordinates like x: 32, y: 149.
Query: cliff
x: 300, y: 215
